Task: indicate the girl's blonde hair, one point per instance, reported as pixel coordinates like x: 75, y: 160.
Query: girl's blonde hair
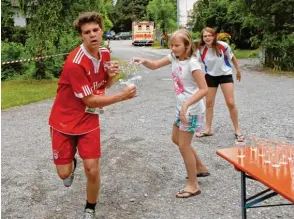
x: 187, y: 39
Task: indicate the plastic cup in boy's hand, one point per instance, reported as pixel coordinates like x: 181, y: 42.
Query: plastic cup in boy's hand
x: 128, y: 75
x: 129, y: 92
x: 107, y: 65
x: 111, y: 67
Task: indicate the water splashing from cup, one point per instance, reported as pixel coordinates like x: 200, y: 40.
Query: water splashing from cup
x: 128, y: 75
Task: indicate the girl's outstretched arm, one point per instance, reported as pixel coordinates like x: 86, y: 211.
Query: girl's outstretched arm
x: 152, y: 64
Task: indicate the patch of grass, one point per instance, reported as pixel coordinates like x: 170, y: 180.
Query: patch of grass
x: 289, y: 74
x: 20, y: 92
x: 115, y: 59
x: 240, y: 54
x: 156, y: 45
x: 245, y: 54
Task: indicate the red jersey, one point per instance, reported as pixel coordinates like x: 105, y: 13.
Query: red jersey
x: 82, y: 75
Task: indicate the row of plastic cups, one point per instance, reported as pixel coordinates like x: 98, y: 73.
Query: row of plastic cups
x: 274, y: 154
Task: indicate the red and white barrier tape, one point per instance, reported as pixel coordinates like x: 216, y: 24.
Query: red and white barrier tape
x: 32, y: 59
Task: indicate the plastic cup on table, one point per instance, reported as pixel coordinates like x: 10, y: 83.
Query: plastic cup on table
x: 260, y: 149
x: 275, y: 157
x: 253, y: 143
x: 283, y: 154
x: 241, y: 149
x: 267, y: 154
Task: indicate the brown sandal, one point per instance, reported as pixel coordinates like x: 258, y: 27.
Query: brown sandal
x: 190, y: 194
x: 203, y: 134
x: 240, y: 138
x: 201, y: 175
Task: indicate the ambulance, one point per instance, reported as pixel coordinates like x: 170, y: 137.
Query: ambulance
x: 143, y: 33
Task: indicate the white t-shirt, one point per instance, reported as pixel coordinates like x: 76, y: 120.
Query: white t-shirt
x: 184, y: 84
x: 216, y: 65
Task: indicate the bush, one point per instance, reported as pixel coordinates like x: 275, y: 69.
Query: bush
x: 20, y: 35
x: 195, y: 35
x: 68, y: 42
x: 50, y: 67
x: 279, y: 52
x: 12, y: 51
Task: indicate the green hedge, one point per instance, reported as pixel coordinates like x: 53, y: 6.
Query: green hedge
x: 44, y: 69
x: 13, y: 51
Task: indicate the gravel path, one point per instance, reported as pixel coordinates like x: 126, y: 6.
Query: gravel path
x: 141, y: 168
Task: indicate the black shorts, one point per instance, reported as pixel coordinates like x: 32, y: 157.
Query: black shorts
x: 214, y: 81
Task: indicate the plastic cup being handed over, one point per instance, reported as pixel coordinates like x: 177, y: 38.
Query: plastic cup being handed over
x: 138, y: 61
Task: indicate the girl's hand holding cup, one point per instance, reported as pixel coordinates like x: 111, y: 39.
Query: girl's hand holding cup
x: 138, y: 61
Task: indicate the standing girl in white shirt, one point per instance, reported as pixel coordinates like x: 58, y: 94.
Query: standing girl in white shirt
x: 190, y: 87
x: 215, y: 56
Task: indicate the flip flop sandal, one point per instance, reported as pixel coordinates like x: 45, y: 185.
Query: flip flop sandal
x: 190, y: 194
x: 239, y: 138
x: 201, y: 175
x: 203, y: 134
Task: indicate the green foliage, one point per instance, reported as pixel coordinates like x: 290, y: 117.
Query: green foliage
x: 224, y: 16
x: 274, y: 22
x: 9, y: 32
x: 44, y: 27
x: 12, y: 51
x: 245, y: 54
x: 156, y: 45
x: 279, y: 53
x: 68, y: 42
x: 6, y: 14
x: 20, y: 34
x: 127, y: 11
x: 252, y: 23
x: 195, y: 35
x: 72, y: 8
x: 50, y: 30
x: 163, y: 13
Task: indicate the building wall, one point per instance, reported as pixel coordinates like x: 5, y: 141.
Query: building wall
x: 184, y: 7
x: 19, y: 20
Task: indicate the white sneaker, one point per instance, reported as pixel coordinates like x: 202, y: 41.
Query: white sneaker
x: 68, y: 181
x: 89, y: 214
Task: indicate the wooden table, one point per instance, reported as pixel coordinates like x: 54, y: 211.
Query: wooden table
x: 278, y: 180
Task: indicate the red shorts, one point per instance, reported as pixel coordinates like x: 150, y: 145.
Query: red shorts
x: 64, y: 146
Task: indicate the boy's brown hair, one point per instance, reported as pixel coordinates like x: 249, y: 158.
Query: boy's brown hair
x: 87, y: 17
